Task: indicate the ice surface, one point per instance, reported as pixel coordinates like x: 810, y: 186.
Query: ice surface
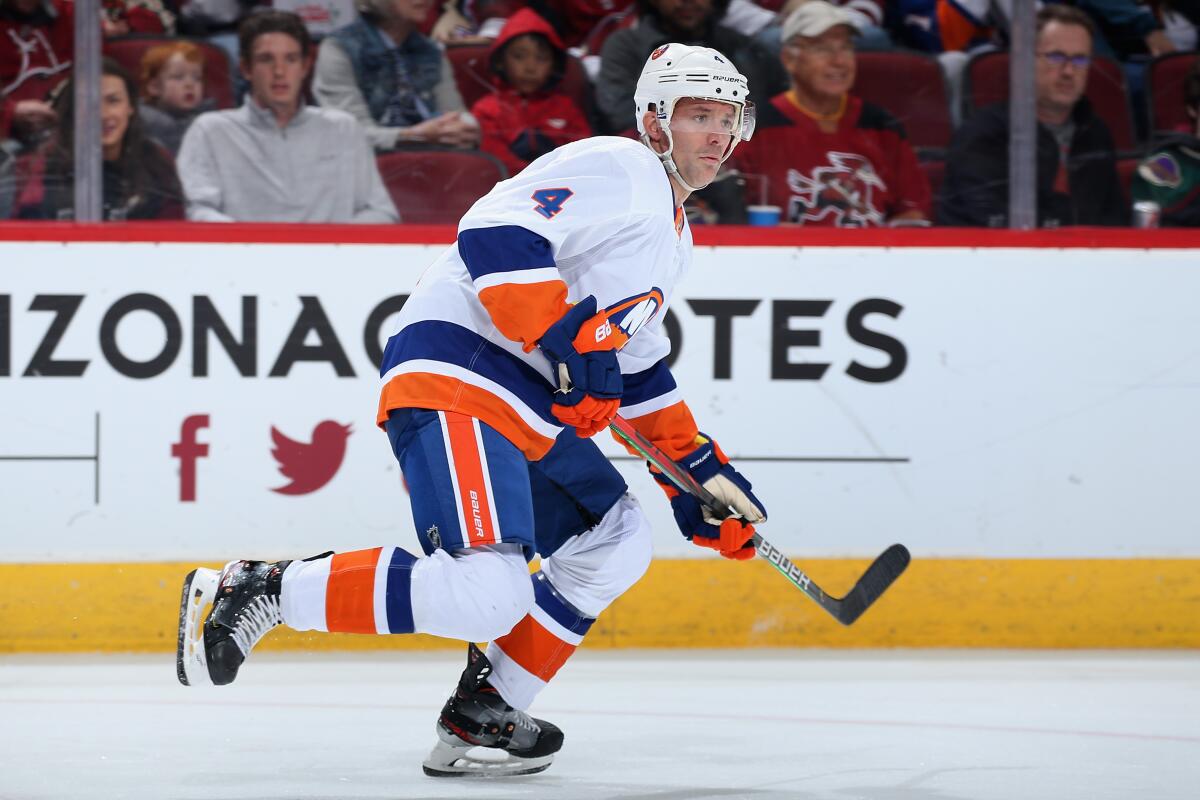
x: 763, y: 725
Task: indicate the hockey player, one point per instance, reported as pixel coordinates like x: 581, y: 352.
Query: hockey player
x: 519, y: 343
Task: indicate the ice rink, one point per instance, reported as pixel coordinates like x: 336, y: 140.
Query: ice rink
x: 672, y: 725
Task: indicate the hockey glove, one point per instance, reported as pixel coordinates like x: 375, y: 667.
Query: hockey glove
x: 580, y: 347
x: 732, y: 536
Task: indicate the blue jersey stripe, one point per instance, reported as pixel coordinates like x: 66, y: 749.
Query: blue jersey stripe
x: 505, y: 248
x: 648, y: 384
x: 548, y: 599
x: 399, y: 592
x: 439, y: 340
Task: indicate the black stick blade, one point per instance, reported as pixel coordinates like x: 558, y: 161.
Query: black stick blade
x: 882, y: 573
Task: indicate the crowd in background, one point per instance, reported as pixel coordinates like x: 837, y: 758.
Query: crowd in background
x: 399, y: 110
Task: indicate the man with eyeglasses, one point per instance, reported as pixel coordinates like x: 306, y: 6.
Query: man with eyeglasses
x: 827, y: 158
x: 1077, y: 181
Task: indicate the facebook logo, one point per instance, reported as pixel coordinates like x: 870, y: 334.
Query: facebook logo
x: 187, y: 450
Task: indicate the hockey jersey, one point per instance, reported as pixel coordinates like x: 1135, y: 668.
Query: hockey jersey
x: 594, y: 217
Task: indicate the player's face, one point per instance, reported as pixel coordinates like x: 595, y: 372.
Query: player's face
x: 1061, y: 71
x: 528, y: 61
x: 276, y: 70
x: 822, y: 66
x: 701, y: 131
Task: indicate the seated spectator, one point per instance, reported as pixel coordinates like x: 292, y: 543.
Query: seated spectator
x: 691, y: 22
x: 1077, y: 181
x: 36, y: 42
x: 172, y: 82
x: 276, y: 159
x: 527, y: 117
x: 396, y: 82
x: 123, y: 17
x: 1170, y: 177
x: 138, y: 176
x: 829, y: 158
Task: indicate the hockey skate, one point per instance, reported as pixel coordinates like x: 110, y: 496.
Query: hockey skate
x: 244, y: 600
x: 479, y: 735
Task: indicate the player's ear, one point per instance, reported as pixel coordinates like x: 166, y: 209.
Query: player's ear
x: 653, y: 129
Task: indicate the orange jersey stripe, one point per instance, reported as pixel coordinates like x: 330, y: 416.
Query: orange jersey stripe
x: 350, y: 592
x: 673, y: 429
x: 442, y: 393
x: 478, y: 528
x: 523, y: 311
x: 537, y: 650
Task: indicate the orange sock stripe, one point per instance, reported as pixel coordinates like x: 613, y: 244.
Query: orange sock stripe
x: 350, y: 593
x: 537, y: 650
x: 478, y: 528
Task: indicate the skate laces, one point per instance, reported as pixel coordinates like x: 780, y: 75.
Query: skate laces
x: 259, y: 616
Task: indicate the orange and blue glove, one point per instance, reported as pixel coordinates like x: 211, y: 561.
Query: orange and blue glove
x: 582, y: 349
x: 731, y: 537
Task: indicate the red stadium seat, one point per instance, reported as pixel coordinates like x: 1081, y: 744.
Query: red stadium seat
x: 607, y: 26
x: 1164, y: 92
x: 912, y: 88
x: 470, y: 64
x: 433, y: 187
x: 218, y: 85
x: 987, y: 83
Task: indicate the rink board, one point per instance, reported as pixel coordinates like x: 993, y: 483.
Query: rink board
x: 1022, y: 418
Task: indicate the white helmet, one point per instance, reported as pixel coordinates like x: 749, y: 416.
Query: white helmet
x: 675, y: 71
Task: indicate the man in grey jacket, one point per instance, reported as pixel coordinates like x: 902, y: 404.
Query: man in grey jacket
x: 276, y: 159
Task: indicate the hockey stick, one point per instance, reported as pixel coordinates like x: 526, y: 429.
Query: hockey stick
x: 874, y: 582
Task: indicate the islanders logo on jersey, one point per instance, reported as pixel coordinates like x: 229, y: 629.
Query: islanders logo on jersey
x: 630, y: 314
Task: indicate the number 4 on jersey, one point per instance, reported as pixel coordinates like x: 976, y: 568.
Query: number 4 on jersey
x: 550, y: 201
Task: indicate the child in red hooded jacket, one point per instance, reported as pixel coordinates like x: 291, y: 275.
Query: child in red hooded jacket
x: 527, y: 116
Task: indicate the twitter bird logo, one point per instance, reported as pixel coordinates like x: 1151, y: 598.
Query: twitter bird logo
x: 309, y: 466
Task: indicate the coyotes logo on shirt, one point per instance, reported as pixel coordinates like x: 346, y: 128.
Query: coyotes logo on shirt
x: 842, y: 193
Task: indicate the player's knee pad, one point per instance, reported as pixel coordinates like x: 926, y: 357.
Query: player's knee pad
x: 475, y: 595
x: 598, y: 566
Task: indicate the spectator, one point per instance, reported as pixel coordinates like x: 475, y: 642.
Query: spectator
x: 172, y: 81
x: 123, y: 17
x: 396, y: 82
x: 276, y: 159
x: 36, y: 41
x: 527, y: 117
x: 1077, y: 181
x: 138, y: 176
x: 1171, y: 176
x: 829, y: 158
x: 692, y: 22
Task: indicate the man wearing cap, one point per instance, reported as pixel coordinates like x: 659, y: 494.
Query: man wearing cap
x: 827, y: 157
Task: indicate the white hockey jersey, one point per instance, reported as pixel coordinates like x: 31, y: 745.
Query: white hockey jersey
x: 595, y: 217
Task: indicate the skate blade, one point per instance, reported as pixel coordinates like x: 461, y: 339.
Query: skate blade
x: 449, y: 761
x: 199, y: 591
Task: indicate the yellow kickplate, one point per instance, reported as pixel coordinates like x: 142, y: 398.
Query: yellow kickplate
x: 1024, y: 603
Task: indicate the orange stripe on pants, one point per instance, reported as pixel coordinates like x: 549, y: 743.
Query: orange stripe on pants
x: 536, y: 649
x: 350, y: 593
x: 468, y: 469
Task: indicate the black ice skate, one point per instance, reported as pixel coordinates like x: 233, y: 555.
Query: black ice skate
x: 476, y: 716
x: 245, y: 605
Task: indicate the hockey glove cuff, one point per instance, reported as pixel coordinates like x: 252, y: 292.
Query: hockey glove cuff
x: 581, y: 348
